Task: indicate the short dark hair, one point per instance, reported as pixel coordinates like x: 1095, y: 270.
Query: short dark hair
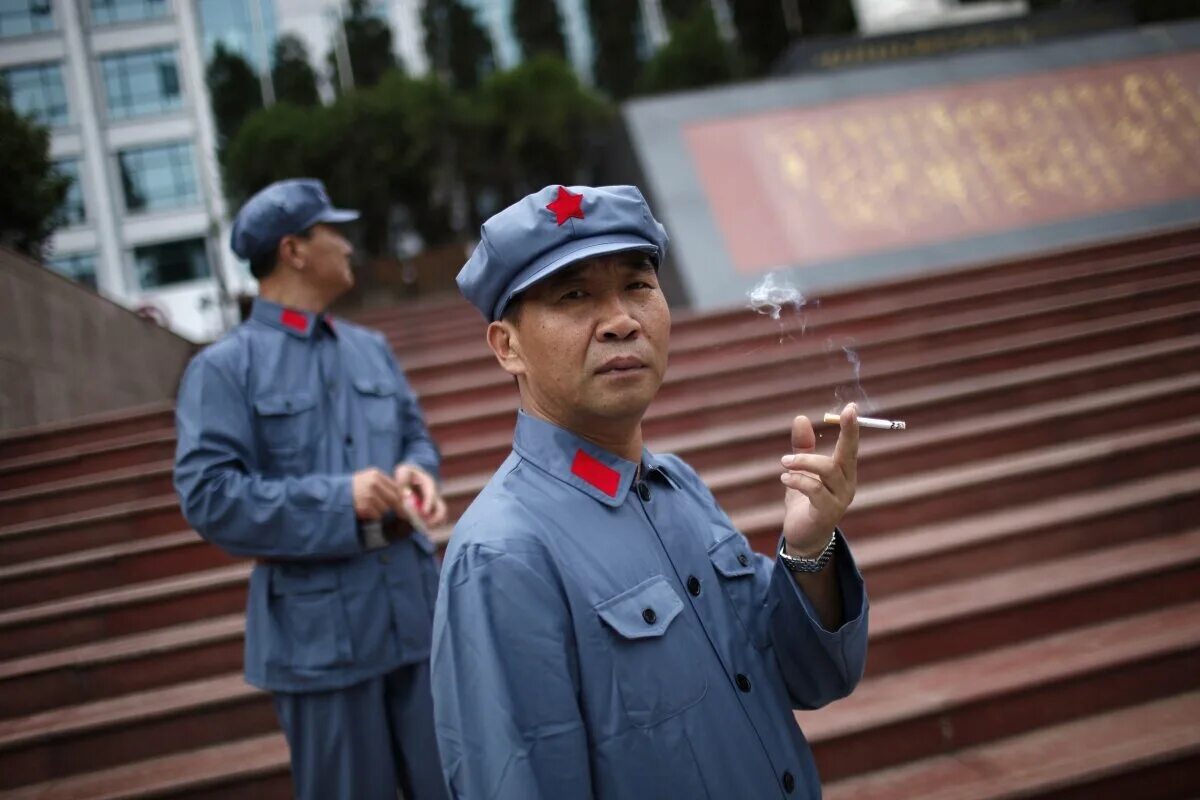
x: 512, y: 311
x: 263, y: 264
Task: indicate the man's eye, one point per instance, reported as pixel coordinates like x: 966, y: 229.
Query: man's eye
x: 641, y: 285
x: 574, y: 294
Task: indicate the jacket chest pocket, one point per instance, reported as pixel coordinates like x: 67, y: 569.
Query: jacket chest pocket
x: 311, y: 628
x: 736, y: 567
x: 286, y: 426
x: 653, y: 652
x: 379, y: 403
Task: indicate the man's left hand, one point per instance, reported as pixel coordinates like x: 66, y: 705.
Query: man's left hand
x: 421, y: 494
x: 819, y: 488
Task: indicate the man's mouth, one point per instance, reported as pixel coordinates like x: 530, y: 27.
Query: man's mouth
x: 621, y: 364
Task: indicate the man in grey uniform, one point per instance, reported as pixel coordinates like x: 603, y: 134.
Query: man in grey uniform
x: 602, y: 630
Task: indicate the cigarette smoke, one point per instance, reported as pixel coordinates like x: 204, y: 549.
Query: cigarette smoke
x: 772, y: 295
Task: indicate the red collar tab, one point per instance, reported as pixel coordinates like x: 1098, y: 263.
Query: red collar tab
x: 596, y: 473
x: 566, y: 206
x: 294, y: 320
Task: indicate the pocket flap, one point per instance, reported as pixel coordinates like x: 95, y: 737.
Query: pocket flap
x: 302, y: 579
x: 643, y: 611
x: 375, y: 386
x: 732, y: 556
x: 274, y: 405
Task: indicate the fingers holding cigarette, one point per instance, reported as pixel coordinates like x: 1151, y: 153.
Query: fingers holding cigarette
x: 870, y: 422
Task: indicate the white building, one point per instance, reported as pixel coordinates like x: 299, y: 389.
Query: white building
x: 121, y: 85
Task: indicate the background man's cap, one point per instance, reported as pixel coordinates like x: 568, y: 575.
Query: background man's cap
x: 282, y: 209
x: 551, y: 229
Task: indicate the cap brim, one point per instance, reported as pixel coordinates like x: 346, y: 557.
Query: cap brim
x: 336, y: 215
x: 563, y: 257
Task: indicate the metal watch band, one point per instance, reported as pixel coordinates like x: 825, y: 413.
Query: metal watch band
x: 808, y: 565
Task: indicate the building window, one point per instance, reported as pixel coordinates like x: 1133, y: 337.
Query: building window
x: 158, y: 177
x: 23, y: 17
x: 140, y: 83
x: 246, y: 27
x: 73, y: 210
x: 37, y: 91
x: 77, y: 266
x: 105, y: 12
x: 172, y: 262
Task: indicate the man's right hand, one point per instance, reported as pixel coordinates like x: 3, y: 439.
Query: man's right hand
x: 375, y: 493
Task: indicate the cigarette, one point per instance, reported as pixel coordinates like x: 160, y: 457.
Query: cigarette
x: 870, y: 422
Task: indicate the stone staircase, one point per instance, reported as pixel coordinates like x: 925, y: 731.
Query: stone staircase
x: 1031, y: 543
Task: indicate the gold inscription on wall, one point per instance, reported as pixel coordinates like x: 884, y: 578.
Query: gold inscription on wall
x: 948, y: 163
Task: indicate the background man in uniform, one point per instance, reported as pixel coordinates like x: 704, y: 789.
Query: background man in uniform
x: 602, y: 630
x: 302, y: 445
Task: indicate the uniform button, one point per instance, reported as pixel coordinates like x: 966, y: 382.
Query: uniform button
x: 789, y: 783
x: 649, y: 616
x: 742, y: 682
x: 693, y: 586
x: 349, y: 441
x: 742, y: 559
x: 385, y: 559
x: 644, y: 492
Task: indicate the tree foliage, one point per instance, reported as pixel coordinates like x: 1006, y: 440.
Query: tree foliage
x: 458, y: 47
x: 235, y: 91
x: 695, y: 56
x: 32, y: 193
x: 762, y: 32
x: 539, y: 28
x: 294, y: 79
x: 615, y: 34
x: 368, y: 44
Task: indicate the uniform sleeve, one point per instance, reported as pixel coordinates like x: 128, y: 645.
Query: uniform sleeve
x: 229, y: 504
x: 419, y: 447
x: 818, y: 665
x: 505, y: 680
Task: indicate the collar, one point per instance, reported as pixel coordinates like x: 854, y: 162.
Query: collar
x: 592, y: 470
x: 298, y: 323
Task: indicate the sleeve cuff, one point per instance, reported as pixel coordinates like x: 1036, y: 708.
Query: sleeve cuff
x: 850, y: 585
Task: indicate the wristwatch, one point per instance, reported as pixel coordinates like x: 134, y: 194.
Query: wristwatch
x: 808, y: 565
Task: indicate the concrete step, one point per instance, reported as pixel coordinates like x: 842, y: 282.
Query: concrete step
x: 88, y: 459
x: 127, y: 610
x: 940, y: 708
x: 85, y: 530
x: 956, y: 618
x: 977, y: 545
x: 942, y: 495
x: 89, y: 430
x: 821, y: 344
x: 119, y: 564
x: 95, y: 736
x: 1149, y: 751
x: 255, y: 768
x: 962, y: 291
x: 794, y: 384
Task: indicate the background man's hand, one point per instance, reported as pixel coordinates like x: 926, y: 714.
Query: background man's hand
x: 819, y: 488
x: 375, y: 494
x: 421, y: 495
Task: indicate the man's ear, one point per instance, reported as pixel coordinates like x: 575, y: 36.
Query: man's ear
x: 291, y: 252
x: 504, y: 340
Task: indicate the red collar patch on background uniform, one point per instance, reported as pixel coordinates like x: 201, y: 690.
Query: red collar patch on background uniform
x: 566, y: 205
x: 596, y: 473
x: 294, y: 320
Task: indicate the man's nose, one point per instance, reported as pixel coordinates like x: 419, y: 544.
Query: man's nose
x: 617, y: 323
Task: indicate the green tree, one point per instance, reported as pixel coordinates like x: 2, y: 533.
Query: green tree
x: 762, y: 32
x: 539, y: 28
x: 616, y: 31
x: 235, y: 91
x: 678, y: 11
x: 826, y: 17
x: 368, y: 43
x: 460, y: 50
x: 534, y: 125
x: 32, y: 192
x: 374, y: 148
x: 694, y: 57
x: 294, y: 79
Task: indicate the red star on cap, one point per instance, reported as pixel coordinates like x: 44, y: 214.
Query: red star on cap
x: 566, y: 205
